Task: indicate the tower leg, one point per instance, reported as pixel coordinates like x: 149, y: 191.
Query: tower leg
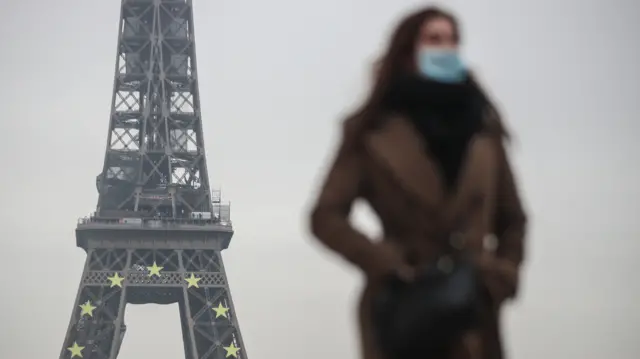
x: 186, y: 318
x: 212, y: 326
x: 97, y: 319
x: 187, y: 331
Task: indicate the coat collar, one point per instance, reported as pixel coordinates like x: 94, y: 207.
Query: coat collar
x: 400, y: 149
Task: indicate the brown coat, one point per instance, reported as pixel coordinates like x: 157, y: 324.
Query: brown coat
x: 389, y: 168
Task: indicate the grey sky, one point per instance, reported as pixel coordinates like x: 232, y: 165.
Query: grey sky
x: 275, y: 78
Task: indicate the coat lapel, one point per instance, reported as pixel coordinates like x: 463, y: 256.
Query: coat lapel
x: 400, y: 149
x: 473, y: 181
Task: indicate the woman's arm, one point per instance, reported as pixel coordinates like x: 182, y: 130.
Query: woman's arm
x: 509, y: 223
x: 330, y: 215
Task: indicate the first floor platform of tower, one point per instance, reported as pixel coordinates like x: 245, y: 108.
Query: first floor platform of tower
x: 196, y: 233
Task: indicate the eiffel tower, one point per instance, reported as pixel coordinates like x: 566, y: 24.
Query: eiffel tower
x: 158, y: 229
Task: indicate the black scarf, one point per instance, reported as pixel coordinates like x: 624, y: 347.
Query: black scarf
x: 446, y: 115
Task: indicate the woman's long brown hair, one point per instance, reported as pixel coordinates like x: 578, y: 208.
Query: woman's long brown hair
x: 400, y: 59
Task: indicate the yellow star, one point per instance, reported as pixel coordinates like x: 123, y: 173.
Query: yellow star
x: 154, y: 270
x: 221, y: 310
x: 116, y: 280
x: 87, y: 308
x: 193, y: 281
x: 232, y: 351
x: 76, y: 350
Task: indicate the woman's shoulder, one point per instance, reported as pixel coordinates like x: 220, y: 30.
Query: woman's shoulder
x: 356, y: 126
x: 492, y: 122
x: 491, y: 118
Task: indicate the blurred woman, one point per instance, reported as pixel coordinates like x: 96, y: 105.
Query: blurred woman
x: 426, y: 151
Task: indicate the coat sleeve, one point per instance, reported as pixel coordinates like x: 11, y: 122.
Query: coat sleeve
x: 330, y: 216
x: 509, y: 222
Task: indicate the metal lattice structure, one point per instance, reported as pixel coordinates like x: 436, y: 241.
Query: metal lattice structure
x: 158, y: 230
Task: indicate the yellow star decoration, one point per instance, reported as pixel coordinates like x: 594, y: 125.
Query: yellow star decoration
x: 193, y: 281
x: 232, y: 351
x: 221, y: 311
x: 116, y: 280
x: 154, y: 270
x: 76, y: 350
x: 87, y: 308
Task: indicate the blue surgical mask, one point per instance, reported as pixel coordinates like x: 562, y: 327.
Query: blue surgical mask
x: 442, y: 65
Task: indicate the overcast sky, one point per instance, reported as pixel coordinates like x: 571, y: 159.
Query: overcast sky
x: 275, y: 78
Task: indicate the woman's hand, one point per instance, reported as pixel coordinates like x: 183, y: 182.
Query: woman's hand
x: 500, y: 277
x: 390, y: 261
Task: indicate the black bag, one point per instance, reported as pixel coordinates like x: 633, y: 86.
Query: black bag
x: 424, y: 317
